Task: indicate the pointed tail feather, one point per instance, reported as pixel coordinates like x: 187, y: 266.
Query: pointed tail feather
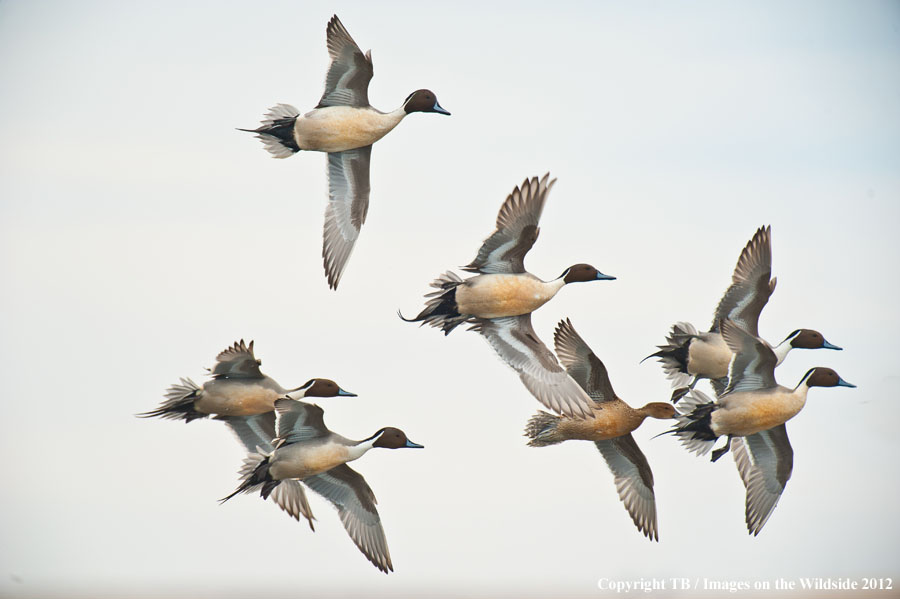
x: 277, y: 131
x: 441, y: 310
x: 179, y: 403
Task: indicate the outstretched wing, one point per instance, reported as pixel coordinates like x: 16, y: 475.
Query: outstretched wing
x: 581, y: 363
x: 299, y: 421
x: 765, y: 461
x: 753, y: 364
x: 517, y: 229
x: 348, y: 491
x: 634, y: 481
x: 348, y: 203
x: 514, y: 339
x: 751, y: 285
x: 237, y: 362
x: 252, y: 431
x: 347, y: 81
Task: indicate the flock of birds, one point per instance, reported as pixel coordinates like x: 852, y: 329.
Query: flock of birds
x: 290, y: 449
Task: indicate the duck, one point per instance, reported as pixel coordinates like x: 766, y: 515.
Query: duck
x: 306, y: 451
x: 690, y: 355
x: 238, y: 394
x: 344, y: 126
x: 241, y: 396
x: 753, y: 401
x: 499, y: 300
x: 765, y: 461
x: 609, y: 427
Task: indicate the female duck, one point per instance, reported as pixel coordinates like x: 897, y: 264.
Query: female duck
x: 499, y: 301
x: 609, y: 428
x: 306, y: 450
x: 345, y: 126
x: 689, y: 355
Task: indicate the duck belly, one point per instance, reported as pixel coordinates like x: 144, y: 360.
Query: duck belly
x: 499, y: 295
x: 747, y: 414
x: 301, y: 460
x: 339, y: 128
x: 236, y: 399
x: 708, y: 356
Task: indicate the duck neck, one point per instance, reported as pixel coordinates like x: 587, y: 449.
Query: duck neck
x: 782, y: 350
x: 357, y: 451
x: 297, y: 394
x: 554, y: 286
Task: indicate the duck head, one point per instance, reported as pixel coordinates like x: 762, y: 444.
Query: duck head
x: 660, y: 410
x: 423, y: 100
x: 824, y: 377
x: 319, y: 388
x: 810, y: 339
x: 580, y: 273
x: 393, y: 438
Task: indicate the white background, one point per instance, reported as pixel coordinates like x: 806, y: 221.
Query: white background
x: 141, y: 234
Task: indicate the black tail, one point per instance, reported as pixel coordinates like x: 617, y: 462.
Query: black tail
x: 255, y: 473
x: 277, y: 131
x: 694, y: 429
x: 179, y: 403
x: 441, y: 310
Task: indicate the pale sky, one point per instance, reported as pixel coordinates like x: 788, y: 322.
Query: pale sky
x: 141, y: 234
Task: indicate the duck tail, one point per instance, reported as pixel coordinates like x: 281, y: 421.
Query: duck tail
x: 441, y: 310
x: 673, y: 355
x: 276, y: 131
x: 694, y: 428
x: 255, y: 475
x: 179, y: 403
x: 542, y: 430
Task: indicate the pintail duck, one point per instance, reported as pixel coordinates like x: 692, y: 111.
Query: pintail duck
x: 240, y: 394
x: 305, y: 450
x: 689, y: 355
x: 752, y: 402
x: 499, y: 301
x: 609, y: 427
x: 752, y: 413
x: 345, y: 126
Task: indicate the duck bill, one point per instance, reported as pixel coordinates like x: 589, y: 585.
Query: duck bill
x: 603, y: 277
x: 826, y: 345
x: 342, y: 393
x: 843, y: 383
x: 413, y: 445
x: 439, y: 109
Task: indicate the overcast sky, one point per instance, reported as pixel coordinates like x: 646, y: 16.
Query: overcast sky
x: 141, y: 234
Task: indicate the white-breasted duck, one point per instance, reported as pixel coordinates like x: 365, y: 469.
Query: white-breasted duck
x: 306, y: 451
x: 752, y: 412
x: 609, y: 427
x: 689, y: 355
x: 345, y: 126
x: 498, y: 302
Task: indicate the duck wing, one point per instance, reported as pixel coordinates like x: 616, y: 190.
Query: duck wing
x: 751, y: 284
x: 348, y: 203
x: 514, y: 340
x: 753, y: 364
x: 634, y: 481
x: 298, y: 421
x: 765, y: 461
x: 347, y: 81
x: 237, y: 362
x: 348, y: 491
x: 252, y: 431
x: 582, y: 365
x: 517, y: 229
